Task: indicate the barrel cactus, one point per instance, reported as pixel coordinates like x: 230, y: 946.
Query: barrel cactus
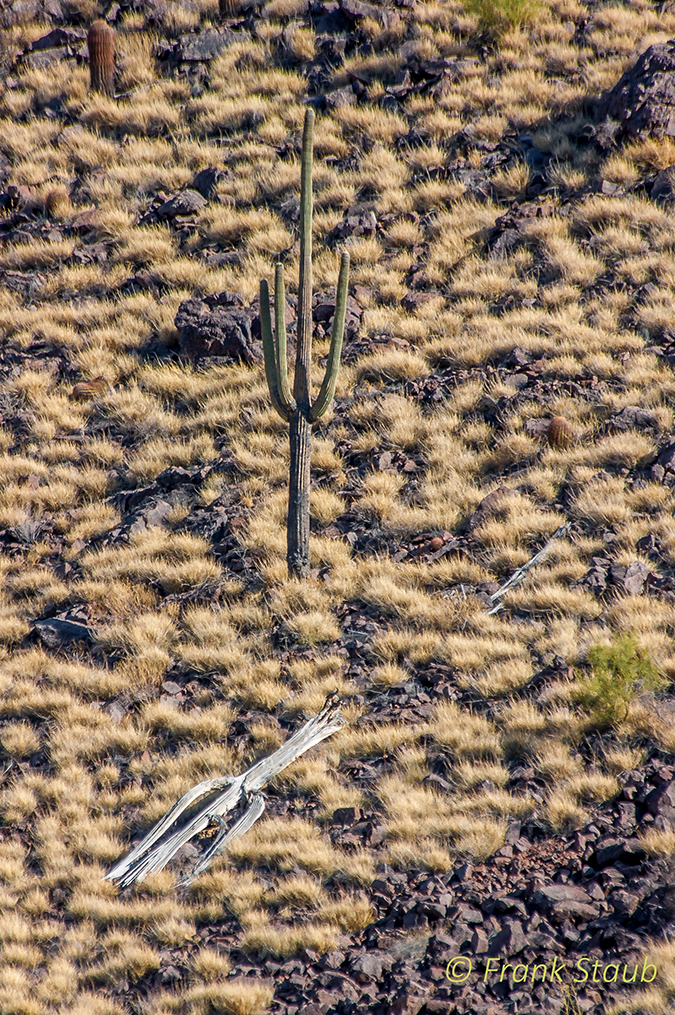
x: 560, y: 433
x: 100, y: 45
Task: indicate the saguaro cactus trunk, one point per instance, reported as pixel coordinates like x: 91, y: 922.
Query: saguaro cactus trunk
x: 297, y: 408
x: 101, y: 45
x: 228, y: 8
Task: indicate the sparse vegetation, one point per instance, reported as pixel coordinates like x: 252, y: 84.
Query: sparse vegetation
x: 507, y: 270
x: 501, y: 15
x: 619, y: 672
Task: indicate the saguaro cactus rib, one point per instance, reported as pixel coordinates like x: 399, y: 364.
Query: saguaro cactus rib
x: 297, y: 408
x: 239, y: 793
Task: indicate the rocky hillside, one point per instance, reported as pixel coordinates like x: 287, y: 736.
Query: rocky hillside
x: 502, y: 173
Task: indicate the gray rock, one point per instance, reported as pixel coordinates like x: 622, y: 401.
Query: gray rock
x: 20, y: 13
x: 488, y: 507
x: 624, y: 903
x: 206, y: 180
x: 216, y: 326
x: 546, y: 895
x: 571, y: 909
x: 367, y: 967
x: 510, y: 940
x: 46, y: 57
x: 185, y: 203
x: 642, y: 103
x: 661, y: 802
x: 632, y: 417
x: 356, y: 9
x: 359, y: 220
x: 663, y: 469
x: 339, y: 98
x: 663, y: 188
x: 56, y: 631
x: 58, y: 37
x: 198, y: 48
x: 635, y: 577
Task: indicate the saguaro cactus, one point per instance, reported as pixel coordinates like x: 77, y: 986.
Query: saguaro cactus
x: 100, y: 44
x: 297, y: 408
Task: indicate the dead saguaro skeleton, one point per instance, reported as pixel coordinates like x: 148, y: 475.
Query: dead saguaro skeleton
x: 239, y: 796
x: 101, y: 48
x: 297, y: 408
x: 520, y: 574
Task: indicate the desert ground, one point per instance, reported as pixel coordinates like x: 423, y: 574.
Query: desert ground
x: 505, y: 784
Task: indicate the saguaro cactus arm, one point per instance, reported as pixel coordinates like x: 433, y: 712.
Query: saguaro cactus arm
x: 274, y: 348
x: 280, y: 332
x: 325, y: 396
x: 225, y: 836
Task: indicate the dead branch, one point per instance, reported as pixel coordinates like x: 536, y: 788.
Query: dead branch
x: 520, y: 574
x: 147, y: 856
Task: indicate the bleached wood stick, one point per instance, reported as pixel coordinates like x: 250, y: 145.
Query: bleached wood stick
x: 147, y: 857
x: 225, y: 837
x: 520, y: 574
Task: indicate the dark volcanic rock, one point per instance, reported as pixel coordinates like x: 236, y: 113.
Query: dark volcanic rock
x: 635, y: 577
x: 198, y: 48
x: 356, y: 9
x: 185, y: 203
x: 22, y: 12
x: 216, y: 326
x: 633, y: 417
x: 663, y: 188
x: 359, y: 220
x: 55, y: 631
x: 661, y: 802
x: 489, y: 506
x: 58, y: 37
x: 206, y: 180
x: 642, y: 103
x: 663, y: 469
x: 564, y: 901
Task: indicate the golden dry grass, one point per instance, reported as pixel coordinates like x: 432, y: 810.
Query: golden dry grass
x: 99, y: 776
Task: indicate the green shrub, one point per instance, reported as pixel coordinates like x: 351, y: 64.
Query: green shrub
x: 620, y: 671
x: 500, y: 15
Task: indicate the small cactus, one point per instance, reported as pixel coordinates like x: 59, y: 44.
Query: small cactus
x: 297, y: 407
x: 84, y: 391
x: 560, y: 433
x: 101, y: 45
x: 57, y: 203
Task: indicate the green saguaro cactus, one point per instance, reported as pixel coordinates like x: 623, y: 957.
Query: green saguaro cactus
x: 297, y: 408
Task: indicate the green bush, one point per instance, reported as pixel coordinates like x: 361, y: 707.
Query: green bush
x: 620, y: 671
x: 500, y: 15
